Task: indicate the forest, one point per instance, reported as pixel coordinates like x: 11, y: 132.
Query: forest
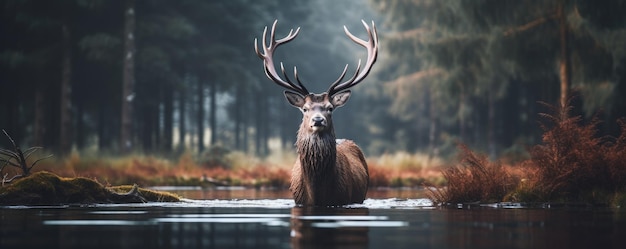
x: 167, y: 77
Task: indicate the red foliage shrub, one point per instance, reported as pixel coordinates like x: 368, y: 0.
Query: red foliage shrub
x: 476, y: 179
x: 571, y: 160
x: 615, y: 154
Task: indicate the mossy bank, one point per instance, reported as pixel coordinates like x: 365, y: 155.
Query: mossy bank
x: 45, y: 188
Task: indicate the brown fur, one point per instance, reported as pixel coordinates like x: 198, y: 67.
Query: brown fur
x: 328, y: 172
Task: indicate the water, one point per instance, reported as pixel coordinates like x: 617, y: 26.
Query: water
x: 230, y: 218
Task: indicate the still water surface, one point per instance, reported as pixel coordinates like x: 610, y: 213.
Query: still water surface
x: 243, y: 218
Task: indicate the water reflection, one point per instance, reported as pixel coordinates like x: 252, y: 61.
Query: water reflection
x: 229, y: 193
x: 221, y: 228
x: 319, y: 227
x: 278, y: 223
x: 533, y: 228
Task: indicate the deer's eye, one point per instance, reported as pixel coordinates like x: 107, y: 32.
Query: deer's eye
x: 330, y: 109
x: 305, y: 109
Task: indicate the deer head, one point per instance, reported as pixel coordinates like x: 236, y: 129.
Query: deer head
x: 317, y: 108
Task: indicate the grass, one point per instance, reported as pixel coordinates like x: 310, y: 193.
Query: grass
x: 239, y: 169
x: 403, y: 169
x: 153, y: 171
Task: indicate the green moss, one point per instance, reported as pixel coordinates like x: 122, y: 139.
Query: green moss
x: 45, y: 188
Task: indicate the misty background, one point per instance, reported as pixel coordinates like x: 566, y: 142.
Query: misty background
x: 165, y: 77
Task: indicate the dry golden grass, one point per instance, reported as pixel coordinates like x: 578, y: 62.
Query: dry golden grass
x: 151, y: 171
x: 402, y: 169
x: 390, y: 170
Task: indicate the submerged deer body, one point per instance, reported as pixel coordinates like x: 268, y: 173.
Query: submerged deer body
x: 328, y: 171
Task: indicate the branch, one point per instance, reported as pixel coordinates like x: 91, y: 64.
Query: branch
x: 10, y: 139
x: 40, y: 159
x: 20, y: 159
x: 30, y: 151
x: 411, y: 33
x: 6, y: 162
x: 529, y: 25
x: 8, y: 153
x: 4, y: 178
x: 133, y: 195
x: 9, y: 163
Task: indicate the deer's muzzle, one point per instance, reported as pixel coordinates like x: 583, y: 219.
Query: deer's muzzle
x: 318, y: 122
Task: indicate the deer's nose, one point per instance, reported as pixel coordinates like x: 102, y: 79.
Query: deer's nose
x: 318, y: 121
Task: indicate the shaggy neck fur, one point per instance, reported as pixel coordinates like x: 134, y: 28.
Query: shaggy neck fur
x: 318, y: 155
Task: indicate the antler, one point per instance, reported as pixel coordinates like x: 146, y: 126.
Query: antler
x: 372, y: 52
x: 267, y: 57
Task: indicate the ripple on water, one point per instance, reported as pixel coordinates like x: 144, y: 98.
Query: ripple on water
x: 318, y: 220
x: 396, y: 203
x: 390, y: 203
x: 289, y: 203
x: 239, y: 203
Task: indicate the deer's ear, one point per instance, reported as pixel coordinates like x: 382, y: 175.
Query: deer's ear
x: 295, y: 99
x: 340, y: 99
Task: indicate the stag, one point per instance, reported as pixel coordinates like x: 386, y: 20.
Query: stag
x: 328, y: 171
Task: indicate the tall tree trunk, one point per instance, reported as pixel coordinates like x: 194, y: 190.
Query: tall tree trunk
x: 168, y: 117
x: 462, y: 122
x: 564, y: 62
x: 258, y: 140
x: 147, y: 131
x: 432, y: 131
x: 245, y: 139
x: 10, y: 114
x: 491, y: 124
x: 237, y: 118
x: 156, y: 127
x: 200, y: 115
x: 101, y: 126
x: 245, y: 121
x: 213, y: 113
x: 182, y: 129
x: 80, y: 125
x: 128, y: 78
x: 265, y: 127
x: 65, y: 134
x: 257, y: 133
x: 39, y: 126
x: 286, y: 140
